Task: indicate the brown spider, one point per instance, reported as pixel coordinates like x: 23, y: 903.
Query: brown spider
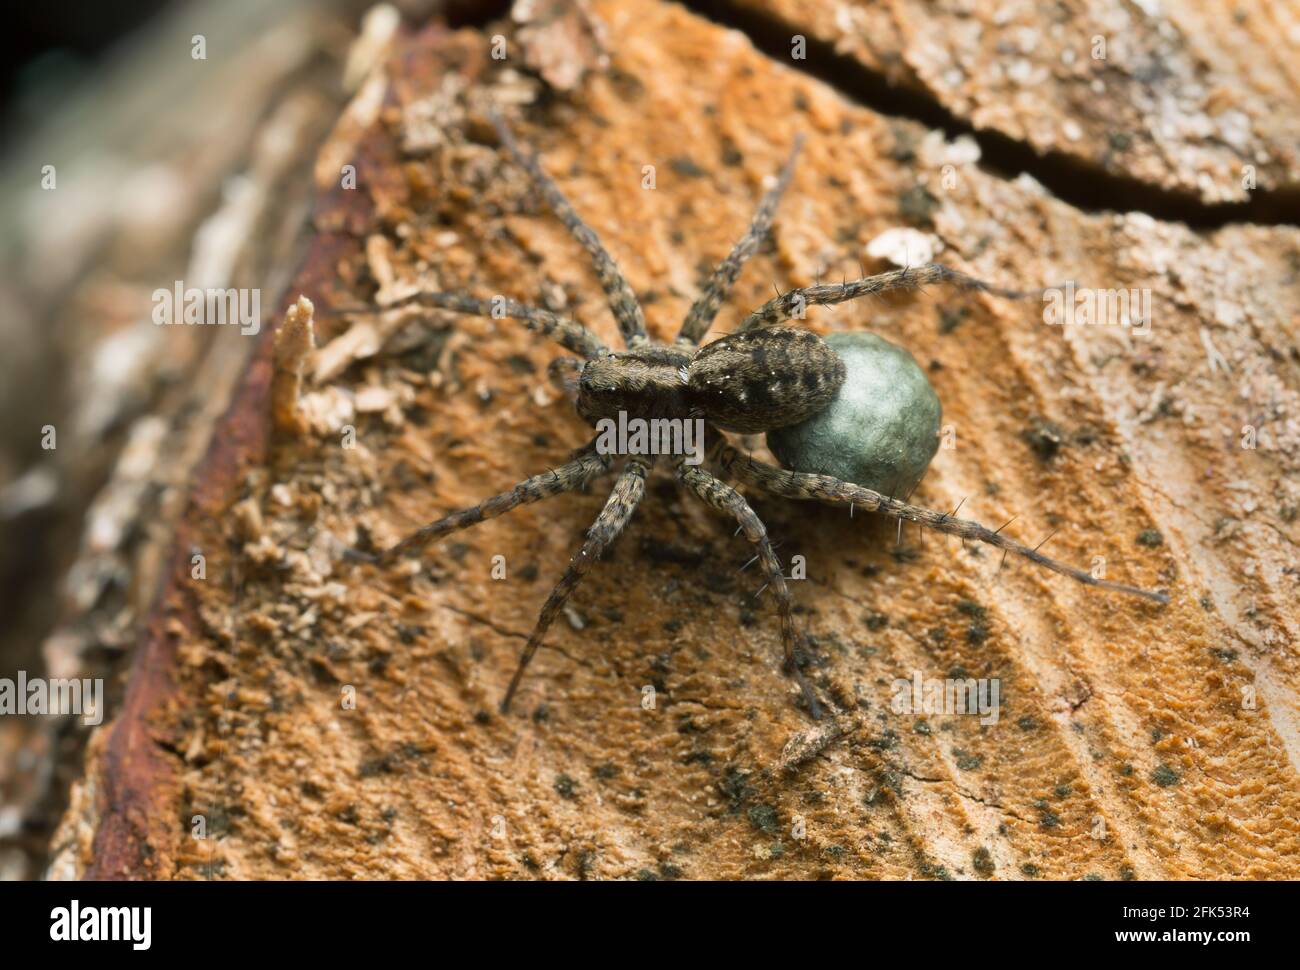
x: 759, y: 378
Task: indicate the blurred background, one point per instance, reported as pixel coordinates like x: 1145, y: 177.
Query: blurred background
x: 144, y: 141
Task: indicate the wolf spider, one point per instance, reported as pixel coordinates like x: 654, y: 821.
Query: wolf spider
x: 762, y: 376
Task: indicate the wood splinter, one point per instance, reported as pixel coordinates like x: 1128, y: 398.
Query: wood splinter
x: 294, y: 342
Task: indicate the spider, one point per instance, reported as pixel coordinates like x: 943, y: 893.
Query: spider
x: 761, y: 377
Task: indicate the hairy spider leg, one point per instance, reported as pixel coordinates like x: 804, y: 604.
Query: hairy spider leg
x: 786, y: 306
x: 622, y: 301
x: 723, y: 498
x: 706, y: 305
x: 802, y: 485
x: 567, y: 478
x: 622, y: 502
x: 565, y: 331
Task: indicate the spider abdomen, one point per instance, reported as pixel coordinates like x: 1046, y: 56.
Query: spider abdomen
x: 758, y: 380
x: 882, y: 429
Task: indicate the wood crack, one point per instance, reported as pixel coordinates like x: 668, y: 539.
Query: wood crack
x: 1072, y: 180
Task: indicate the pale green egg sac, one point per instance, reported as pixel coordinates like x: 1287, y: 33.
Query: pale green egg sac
x: 882, y: 428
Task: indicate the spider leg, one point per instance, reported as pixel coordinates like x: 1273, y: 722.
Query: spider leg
x: 622, y: 301
x: 801, y: 485
x: 618, y: 509
x: 705, y: 307
x: 569, y: 476
x: 784, y: 306
x: 722, y: 497
x: 568, y: 333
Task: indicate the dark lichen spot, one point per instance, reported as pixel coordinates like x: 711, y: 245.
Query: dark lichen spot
x: 763, y: 818
x: 565, y: 786
x: 887, y: 741
x: 931, y: 871
x: 1045, y: 439
x: 521, y: 364
x: 408, y: 634
x: 917, y: 205
x: 903, y: 147
x: 983, y: 862
x: 686, y: 167
x: 1151, y: 538
x: 1164, y: 776
x: 1030, y: 870
x: 950, y: 318
x: 966, y: 761
x: 628, y: 86
x: 735, y: 787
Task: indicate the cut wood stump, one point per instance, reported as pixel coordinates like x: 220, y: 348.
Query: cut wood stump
x: 321, y: 718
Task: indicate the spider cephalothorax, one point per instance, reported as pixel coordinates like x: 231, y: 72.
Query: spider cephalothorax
x: 747, y: 382
x: 762, y: 377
